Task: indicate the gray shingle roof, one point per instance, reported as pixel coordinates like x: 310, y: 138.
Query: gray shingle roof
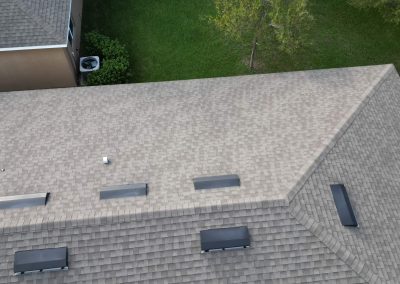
x: 166, y: 249
x: 288, y: 136
x: 27, y: 23
x: 366, y: 158
x: 268, y: 129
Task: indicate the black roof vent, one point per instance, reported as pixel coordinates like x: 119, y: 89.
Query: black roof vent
x: 343, y: 205
x: 126, y: 190
x: 216, y: 181
x: 40, y: 260
x: 25, y: 200
x: 224, y: 238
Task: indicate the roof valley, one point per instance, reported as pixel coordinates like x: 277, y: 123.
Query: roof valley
x: 359, y: 266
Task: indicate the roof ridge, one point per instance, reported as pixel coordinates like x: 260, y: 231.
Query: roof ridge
x: 28, y: 11
x: 341, y: 128
x: 356, y: 264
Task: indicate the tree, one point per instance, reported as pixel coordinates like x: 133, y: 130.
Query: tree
x: 390, y: 9
x: 267, y: 22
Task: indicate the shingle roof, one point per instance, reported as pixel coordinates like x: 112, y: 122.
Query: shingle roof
x: 366, y: 158
x: 268, y: 129
x: 29, y: 23
x: 166, y: 249
x: 288, y: 136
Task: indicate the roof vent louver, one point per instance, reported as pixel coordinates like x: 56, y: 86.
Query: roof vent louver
x: 126, y: 190
x: 224, y: 238
x: 216, y: 181
x: 343, y: 205
x: 40, y: 260
x: 25, y: 200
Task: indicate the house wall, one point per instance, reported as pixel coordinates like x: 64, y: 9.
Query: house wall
x: 35, y: 69
x: 366, y: 159
x: 164, y: 247
x: 76, y: 17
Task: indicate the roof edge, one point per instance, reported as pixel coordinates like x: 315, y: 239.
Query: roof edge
x: 236, y: 76
x: 341, y: 129
x: 33, y: 47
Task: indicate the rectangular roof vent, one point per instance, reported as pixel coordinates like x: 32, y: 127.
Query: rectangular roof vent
x: 40, y: 260
x: 126, y: 190
x: 25, y: 200
x: 343, y: 205
x: 224, y: 238
x: 216, y: 181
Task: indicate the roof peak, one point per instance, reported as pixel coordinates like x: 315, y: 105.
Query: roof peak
x: 341, y: 127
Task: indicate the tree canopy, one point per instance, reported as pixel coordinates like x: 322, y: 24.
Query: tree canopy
x: 274, y: 23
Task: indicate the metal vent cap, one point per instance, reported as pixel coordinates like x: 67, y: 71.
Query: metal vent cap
x: 89, y: 64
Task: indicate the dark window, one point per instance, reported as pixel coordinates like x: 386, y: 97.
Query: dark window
x: 70, y: 31
x: 343, y: 205
x: 70, y: 38
x: 224, y: 238
x: 26, y: 200
x: 216, y: 181
x: 39, y: 260
x: 71, y: 26
x: 127, y: 190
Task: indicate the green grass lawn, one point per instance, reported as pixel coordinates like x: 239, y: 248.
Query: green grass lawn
x: 172, y: 40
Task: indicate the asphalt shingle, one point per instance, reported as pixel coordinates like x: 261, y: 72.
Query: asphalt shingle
x: 287, y: 136
x: 167, y: 250
x: 30, y: 23
x: 268, y: 129
x: 366, y: 159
